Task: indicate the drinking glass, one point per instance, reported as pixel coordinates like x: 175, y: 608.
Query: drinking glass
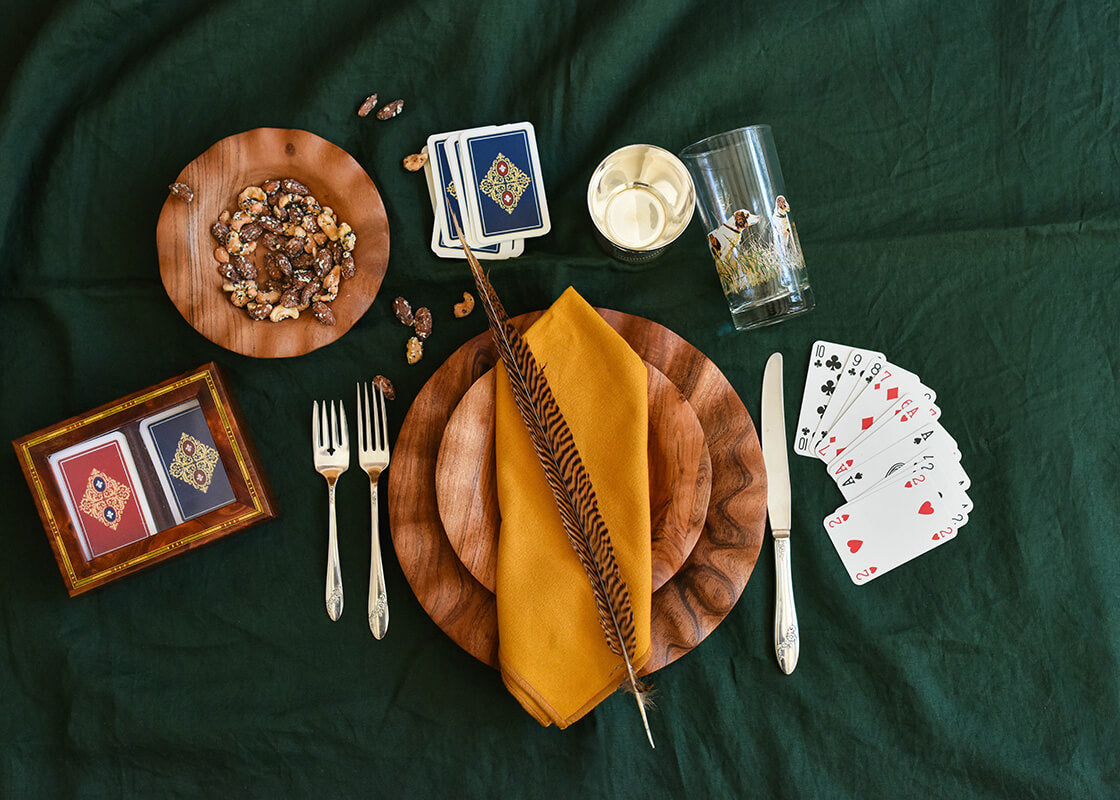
x: 751, y: 235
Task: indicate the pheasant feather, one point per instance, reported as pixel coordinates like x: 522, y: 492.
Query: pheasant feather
x: 567, y: 478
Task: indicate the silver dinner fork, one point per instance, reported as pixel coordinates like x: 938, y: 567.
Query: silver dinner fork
x: 330, y: 442
x: 373, y: 457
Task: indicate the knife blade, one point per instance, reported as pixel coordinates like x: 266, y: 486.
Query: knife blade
x: 787, y: 637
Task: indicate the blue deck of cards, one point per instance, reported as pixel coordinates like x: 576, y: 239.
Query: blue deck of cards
x: 877, y: 428
x: 490, y: 179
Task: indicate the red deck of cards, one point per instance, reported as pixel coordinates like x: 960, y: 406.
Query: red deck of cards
x: 136, y: 481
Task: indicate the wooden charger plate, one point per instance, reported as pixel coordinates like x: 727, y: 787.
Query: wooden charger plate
x: 691, y: 604
x: 680, y: 472
x: 186, y: 248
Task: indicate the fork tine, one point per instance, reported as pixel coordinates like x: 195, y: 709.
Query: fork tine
x: 382, y: 422
x: 371, y: 437
x: 315, y: 424
x: 358, y: 417
x: 334, y: 425
x: 344, y: 437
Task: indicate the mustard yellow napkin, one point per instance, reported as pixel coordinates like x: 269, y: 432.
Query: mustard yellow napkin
x: 554, y: 657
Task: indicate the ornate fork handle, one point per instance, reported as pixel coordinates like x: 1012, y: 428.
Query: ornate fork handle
x: 378, y: 598
x: 334, y: 569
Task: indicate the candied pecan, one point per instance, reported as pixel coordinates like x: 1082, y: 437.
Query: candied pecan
x: 258, y: 311
x: 390, y: 110
x: 271, y: 186
x: 368, y: 105
x: 303, y: 261
x: 386, y: 387
x: 309, y: 289
x: 322, y: 313
x: 290, y: 298
x: 292, y: 186
x: 348, y: 265
x: 294, y: 247
x: 251, y: 232
x: 323, y: 262
x: 403, y: 311
x: 271, y: 224
x: 245, y: 268
x: 423, y: 323
x: 271, y: 241
x: 226, y: 270
x: 284, y: 265
x: 181, y: 191
x: 219, y: 230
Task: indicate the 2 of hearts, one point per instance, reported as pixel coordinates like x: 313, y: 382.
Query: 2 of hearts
x: 876, y: 427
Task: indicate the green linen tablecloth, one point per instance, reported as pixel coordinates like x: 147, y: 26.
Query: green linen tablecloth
x: 955, y: 171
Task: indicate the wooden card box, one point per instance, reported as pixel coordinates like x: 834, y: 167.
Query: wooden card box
x: 253, y: 502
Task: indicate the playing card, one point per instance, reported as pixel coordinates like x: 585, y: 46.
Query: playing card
x: 444, y: 242
x: 907, y: 517
x: 826, y: 360
x: 502, y: 185
x: 883, y: 392
x: 862, y: 467
x: 467, y: 221
x: 187, y: 461
x: 861, y: 368
x: 908, y: 414
x: 101, y: 489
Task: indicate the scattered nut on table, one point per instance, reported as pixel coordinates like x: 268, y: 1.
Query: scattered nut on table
x: 422, y: 323
x: 386, y: 387
x: 368, y: 105
x: 413, y: 350
x: 181, y: 191
x: 403, y: 311
x: 390, y: 110
x: 299, y: 270
x: 415, y: 162
x: 465, y: 307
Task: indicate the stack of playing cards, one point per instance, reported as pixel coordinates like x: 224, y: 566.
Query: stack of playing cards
x: 491, y: 179
x: 102, y: 482
x: 876, y: 427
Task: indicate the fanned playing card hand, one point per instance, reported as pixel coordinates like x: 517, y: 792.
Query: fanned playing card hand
x: 876, y: 427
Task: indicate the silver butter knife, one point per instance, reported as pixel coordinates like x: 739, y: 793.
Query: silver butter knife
x: 787, y: 639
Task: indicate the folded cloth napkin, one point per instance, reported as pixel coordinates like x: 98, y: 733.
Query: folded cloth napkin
x: 553, y: 654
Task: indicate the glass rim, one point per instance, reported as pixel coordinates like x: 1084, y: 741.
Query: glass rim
x: 709, y: 143
x: 658, y: 245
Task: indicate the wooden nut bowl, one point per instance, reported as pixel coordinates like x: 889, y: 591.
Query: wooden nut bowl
x: 186, y: 248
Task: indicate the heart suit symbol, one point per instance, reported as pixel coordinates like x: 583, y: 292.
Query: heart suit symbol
x: 927, y: 508
x: 854, y: 545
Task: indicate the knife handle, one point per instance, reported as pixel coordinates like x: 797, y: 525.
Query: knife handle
x: 787, y: 638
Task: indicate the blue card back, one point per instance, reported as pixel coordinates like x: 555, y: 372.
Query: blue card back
x: 449, y: 190
x: 505, y: 183
x: 190, y: 462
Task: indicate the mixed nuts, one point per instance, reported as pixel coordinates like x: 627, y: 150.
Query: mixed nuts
x: 307, y: 250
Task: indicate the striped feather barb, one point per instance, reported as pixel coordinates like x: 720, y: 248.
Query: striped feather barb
x: 568, y: 479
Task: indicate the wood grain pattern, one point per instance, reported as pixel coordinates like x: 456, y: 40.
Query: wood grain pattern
x: 186, y: 261
x: 680, y: 479
x: 691, y: 604
x: 253, y: 502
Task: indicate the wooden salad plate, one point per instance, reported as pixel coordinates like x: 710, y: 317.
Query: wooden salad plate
x: 680, y: 470
x: 689, y: 606
x: 186, y: 248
